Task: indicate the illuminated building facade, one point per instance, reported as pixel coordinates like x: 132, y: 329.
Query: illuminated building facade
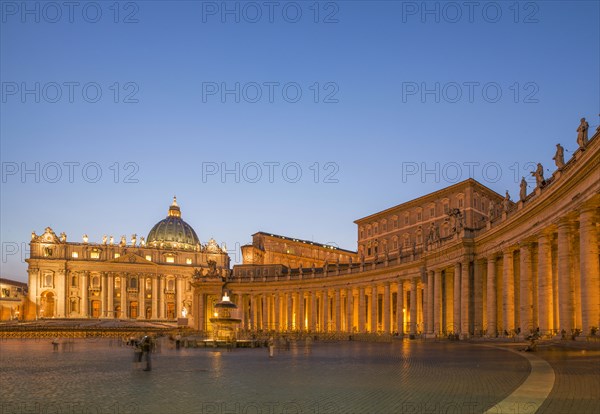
x: 144, y: 279
x: 462, y: 260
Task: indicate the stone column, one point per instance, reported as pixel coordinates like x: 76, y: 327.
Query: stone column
x: 437, y: 302
x: 142, y: 297
x: 456, y: 300
x: 338, y: 311
x: 276, y: 304
x: 123, y: 302
x: 84, y: 295
x: 110, y: 295
x: 265, y: 312
x: 201, y: 312
x: 526, y: 289
x: 413, y: 306
x: 325, y: 308
x: 565, y: 282
x: 429, y: 321
x: 465, y: 296
x: 178, y: 296
x: 589, y: 265
x: 374, y: 303
x: 361, y: 309
x: 400, y: 308
x: 301, y: 319
x: 155, y: 297
x: 253, y: 312
x: 508, y: 291
x: 544, y: 274
x: 290, y: 311
x: 103, y: 295
x: 478, y: 298
x: 161, y: 297
x: 325, y: 311
x: 349, y: 310
x: 386, y: 308
x: 492, y: 320
x: 313, y: 311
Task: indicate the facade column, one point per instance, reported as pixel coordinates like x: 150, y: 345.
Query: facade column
x: 111, y: 294
x: 400, y: 308
x: 201, y: 312
x: 478, y: 296
x: 178, y: 296
x: 429, y: 320
x: 290, y: 310
x: 300, y: 323
x: 265, y: 313
x: 276, y: 304
x: 84, y: 295
x: 253, y: 312
x: 456, y: 314
x: 349, y: 310
x: 124, y: 310
x: 313, y: 311
x: 565, y: 282
x: 413, y: 306
x: 155, y: 297
x: 526, y: 289
x: 464, y: 299
x: 374, y: 313
x: 492, y: 320
x: 104, y: 295
x: 141, y: 297
x: 161, y: 297
x: 508, y: 291
x: 386, y: 308
x: 545, y: 291
x: 437, y: 302
x: 325, y: 308
x: 589, y: 273
x: 361, y: 309
x: 338, y: 311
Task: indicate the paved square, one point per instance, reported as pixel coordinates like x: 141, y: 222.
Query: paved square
x: 342, y: 377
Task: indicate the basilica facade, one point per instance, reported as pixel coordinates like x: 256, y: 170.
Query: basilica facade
x: 144, y: 279
x: 463, y: 260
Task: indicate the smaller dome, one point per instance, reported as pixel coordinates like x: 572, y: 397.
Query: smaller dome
x: 173, y: 231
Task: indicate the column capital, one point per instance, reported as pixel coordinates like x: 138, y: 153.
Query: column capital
x: 565, y: 221
x: 587, y: 208
x: 508, y: 250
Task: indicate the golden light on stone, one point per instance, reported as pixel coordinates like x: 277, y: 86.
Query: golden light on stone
x: 464, y: 256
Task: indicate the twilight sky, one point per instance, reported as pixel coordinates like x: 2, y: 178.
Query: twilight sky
x: 295, y: 118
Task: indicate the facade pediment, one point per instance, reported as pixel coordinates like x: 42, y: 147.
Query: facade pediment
x: 131, y: 258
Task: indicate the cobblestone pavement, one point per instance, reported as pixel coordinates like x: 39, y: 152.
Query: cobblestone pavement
x: 577, y: 385
x: 343, y: 377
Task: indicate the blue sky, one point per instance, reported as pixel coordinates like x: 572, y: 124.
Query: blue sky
x: 373, y: 90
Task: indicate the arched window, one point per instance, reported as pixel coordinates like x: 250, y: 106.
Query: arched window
x: 133, y: 283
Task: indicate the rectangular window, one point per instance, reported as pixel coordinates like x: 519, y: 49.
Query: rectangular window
x: 419, y: 216
x: 188, y: 261
x: 170, y: 259
x: 117, y: 255
x: 94, y: 255
x: 406, y: 219
x: 460, y: 202
x: 74, y: 255
x: 432, y: 212
x: 148, y: 257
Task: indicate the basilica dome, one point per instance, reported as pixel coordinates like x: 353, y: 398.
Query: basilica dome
x: 173, y: 231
